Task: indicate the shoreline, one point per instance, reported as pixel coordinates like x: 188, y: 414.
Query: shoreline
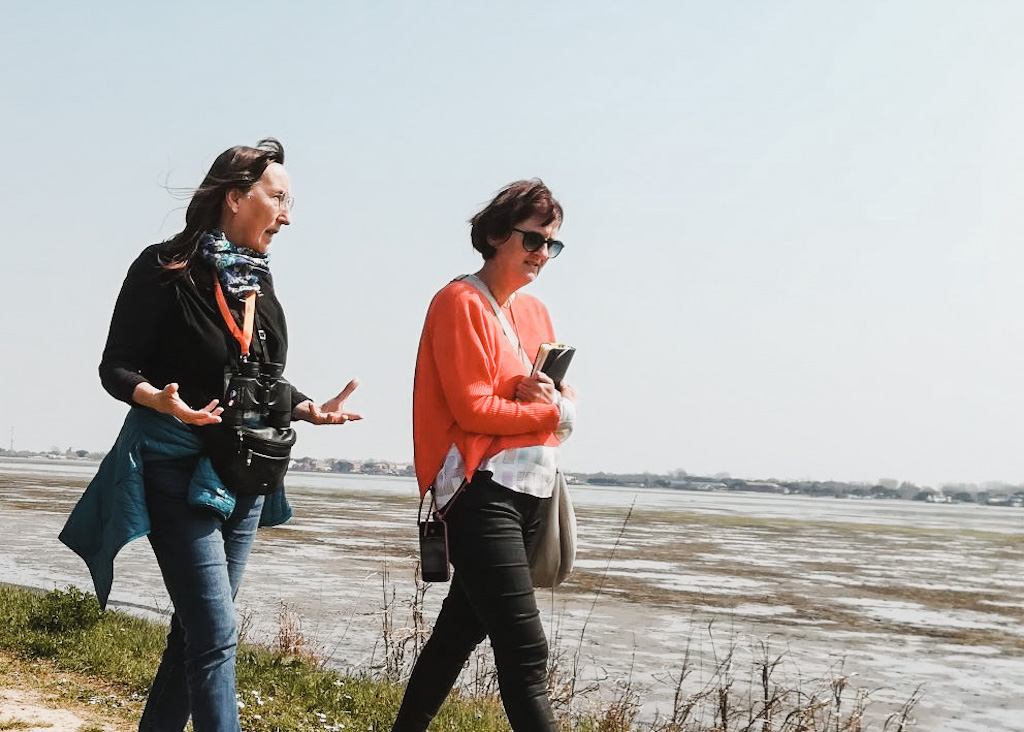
x: 876, y: 585
x: 948, y: 492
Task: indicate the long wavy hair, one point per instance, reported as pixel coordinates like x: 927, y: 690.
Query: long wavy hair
x: 237, y: 168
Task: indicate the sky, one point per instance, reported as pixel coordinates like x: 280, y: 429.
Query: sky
x: 793, y: 228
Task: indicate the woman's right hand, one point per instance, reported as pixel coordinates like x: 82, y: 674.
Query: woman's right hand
x: 166, y: 400
x: 539, y: 388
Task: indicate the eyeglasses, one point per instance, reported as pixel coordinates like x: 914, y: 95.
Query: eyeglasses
x: 284, y: 201
x: 533, y: 241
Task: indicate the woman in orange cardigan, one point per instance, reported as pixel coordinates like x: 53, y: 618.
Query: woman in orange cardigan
x: 486, y: 438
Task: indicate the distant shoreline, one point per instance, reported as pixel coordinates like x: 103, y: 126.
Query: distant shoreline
x: 1002, y: 495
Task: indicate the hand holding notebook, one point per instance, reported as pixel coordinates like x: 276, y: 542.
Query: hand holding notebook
x: 553, y: 359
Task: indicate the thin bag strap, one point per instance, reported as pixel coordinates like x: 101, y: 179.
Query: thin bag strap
x: 431, y: 510
x: 506, y: 326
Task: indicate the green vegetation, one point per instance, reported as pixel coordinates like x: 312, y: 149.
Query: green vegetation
x: 288, y: 687
x: 276, y: 691
x: 69, y: 628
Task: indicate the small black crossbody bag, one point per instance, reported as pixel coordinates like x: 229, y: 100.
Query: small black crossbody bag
x: 434, y: 563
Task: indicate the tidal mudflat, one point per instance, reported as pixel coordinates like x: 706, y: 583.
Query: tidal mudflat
x: 890, y: 594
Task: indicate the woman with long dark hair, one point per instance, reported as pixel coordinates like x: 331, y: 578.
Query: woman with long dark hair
x: 194, y: 313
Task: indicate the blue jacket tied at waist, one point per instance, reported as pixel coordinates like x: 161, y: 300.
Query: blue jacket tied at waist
x: 112, y: 510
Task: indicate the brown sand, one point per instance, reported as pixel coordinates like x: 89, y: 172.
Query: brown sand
x: 35, y: 697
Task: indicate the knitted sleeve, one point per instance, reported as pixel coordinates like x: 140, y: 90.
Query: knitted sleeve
x: 478, y: 370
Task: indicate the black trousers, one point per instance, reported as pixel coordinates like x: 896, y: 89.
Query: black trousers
x: 490, y: 528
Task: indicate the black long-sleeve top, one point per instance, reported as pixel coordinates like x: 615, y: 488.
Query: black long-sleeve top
x: 166, y: 328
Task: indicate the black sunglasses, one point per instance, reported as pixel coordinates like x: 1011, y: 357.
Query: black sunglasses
x: 533, y: 241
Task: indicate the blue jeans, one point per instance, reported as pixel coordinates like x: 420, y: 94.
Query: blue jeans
x: 202, y: 559
x: 491, y: 595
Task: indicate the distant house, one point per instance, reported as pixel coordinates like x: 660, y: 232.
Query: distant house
x: 378, y: 467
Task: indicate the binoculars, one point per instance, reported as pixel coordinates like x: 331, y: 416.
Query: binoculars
x: 258, y: 394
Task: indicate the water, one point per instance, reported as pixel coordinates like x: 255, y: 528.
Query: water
x: 892, y: 594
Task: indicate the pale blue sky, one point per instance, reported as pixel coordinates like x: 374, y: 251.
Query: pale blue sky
x: 793, y: 228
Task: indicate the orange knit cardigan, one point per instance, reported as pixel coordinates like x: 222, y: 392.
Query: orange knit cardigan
x: 466, y: 376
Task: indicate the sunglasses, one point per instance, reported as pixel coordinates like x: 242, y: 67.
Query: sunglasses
x: 533, y: 241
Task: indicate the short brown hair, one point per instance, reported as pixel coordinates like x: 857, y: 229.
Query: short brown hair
x: 515, y: 203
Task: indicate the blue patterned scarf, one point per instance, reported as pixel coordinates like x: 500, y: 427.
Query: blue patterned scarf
x: 239, y: 270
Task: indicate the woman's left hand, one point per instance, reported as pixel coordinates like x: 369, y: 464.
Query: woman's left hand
x: 330, y: 412
x: 539, y: 388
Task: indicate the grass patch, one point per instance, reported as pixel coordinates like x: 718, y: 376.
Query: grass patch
x: 69, y: 628
x: 276, y: 691
x: 112, y: 658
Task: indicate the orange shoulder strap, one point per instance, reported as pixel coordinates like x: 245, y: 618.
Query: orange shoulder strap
x: 243, y: 335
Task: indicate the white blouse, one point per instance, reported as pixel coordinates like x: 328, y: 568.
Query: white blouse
x: 529, y: 470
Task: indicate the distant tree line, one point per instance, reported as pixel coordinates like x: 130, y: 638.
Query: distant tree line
x: 1000, y: 494
x: 54, y: 453
x: 886, y: 489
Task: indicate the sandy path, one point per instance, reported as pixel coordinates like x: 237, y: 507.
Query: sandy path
x: 46, y: 700
x: 19, y: 707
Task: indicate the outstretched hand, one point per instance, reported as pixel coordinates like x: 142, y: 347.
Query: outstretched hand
x: 330, y: 412
x: 168, y: 401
